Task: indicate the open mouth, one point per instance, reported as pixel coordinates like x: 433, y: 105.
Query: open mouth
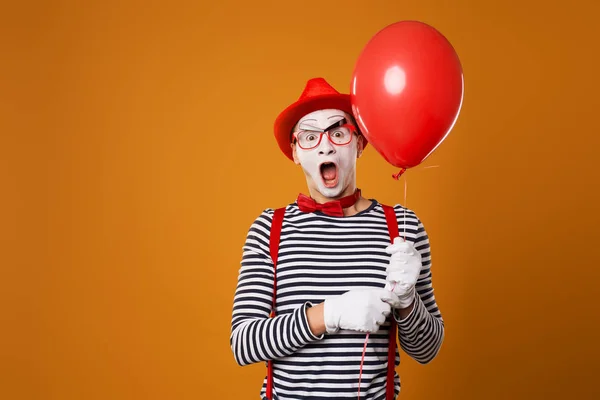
x: 329, y: 174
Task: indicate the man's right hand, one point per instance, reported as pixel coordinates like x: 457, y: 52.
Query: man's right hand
x: 359, y: 310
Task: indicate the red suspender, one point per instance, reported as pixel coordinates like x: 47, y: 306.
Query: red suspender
x: 392, y: 223
x: 274, y: 248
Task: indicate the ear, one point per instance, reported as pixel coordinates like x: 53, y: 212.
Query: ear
x: 296, y: 160
x: 359, y: 146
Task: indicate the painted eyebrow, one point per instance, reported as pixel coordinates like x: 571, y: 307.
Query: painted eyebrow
x: 317, y: 129
x: 310, y: 125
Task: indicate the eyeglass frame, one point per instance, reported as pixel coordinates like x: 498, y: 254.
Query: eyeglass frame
x: 339, y: 124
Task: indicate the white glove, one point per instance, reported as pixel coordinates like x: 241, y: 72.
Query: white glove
x: 403, y: 270
x: 358, y: 310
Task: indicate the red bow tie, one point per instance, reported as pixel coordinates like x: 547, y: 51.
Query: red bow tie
x: 333, y: 208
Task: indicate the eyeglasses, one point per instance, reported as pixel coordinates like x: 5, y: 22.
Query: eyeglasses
x: 339, y: 134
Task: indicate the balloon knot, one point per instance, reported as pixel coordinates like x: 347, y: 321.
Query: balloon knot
x: 397, y: 175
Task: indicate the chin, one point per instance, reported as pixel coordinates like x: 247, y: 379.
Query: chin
x: 331, y: 192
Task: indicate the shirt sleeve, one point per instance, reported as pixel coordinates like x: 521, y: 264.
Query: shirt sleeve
x: 255, y: 337
x: 421, y: 333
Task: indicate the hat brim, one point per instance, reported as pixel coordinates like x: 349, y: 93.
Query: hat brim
x: 291, y: 115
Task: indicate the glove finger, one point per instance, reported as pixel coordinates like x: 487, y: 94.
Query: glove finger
x: 397, y: 266
x: 403, y: 254
x: 398, y: 276
x: 387, y: 303
x: 397, y: 248
x: 389, y: 286
x: 409, y: 283
x: 399, y: 260
x: 408, y: 277
x: 409, y: 265
x: 380, y: 320
x: 402, y: 286
x: 404, y: 242
x: 390, y: 298
x: 398, y: 245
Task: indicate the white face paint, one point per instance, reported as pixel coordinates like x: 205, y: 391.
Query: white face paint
x: 342, y: 156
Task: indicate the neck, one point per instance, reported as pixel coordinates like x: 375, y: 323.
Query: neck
x: 360, y: 205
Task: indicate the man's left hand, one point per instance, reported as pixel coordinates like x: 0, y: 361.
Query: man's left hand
x: 403, y: 270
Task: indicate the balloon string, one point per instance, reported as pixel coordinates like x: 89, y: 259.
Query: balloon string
x: 405, y: 205
x: 361, y: 363
x: 362, y: 360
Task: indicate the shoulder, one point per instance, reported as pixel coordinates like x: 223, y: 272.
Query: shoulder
x: 262, y: 222
x: 265, y: 218
x: 404, y: 213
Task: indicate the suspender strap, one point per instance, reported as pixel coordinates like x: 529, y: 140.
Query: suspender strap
x: 274, y: 249
x: 392, y: 223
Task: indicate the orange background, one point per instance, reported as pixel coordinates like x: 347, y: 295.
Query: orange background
x: 137, y: 149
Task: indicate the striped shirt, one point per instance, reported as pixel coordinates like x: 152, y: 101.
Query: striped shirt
x: 322, y: 256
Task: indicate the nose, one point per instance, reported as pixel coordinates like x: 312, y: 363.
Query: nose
x: 326, y: 148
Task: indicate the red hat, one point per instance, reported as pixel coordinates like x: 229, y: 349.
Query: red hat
x: 317, y: 95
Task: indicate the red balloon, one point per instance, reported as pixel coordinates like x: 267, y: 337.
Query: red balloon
x: 407, y: 90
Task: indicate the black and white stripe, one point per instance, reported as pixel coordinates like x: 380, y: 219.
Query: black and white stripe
x: 322, y: 256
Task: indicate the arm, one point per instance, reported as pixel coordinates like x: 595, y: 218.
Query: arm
x: 254, y: 336
x: 316, y: 319
x: 421, y: 326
